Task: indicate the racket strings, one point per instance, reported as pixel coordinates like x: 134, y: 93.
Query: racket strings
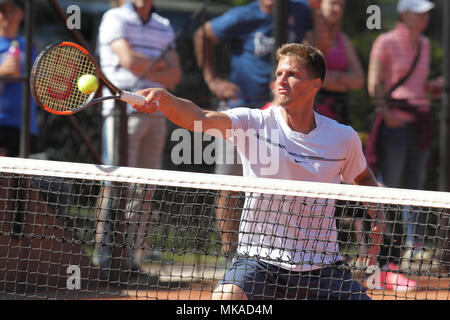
x: 56, y: 77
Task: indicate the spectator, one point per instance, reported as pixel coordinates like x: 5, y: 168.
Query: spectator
x: 345, y: 72
x: 248, y: 32
x: 131, y: 37
x: 11, y: 93
x: 399, y: 68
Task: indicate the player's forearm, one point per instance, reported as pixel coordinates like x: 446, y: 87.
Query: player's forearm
x: 182, y: 112
x: 366, y: 178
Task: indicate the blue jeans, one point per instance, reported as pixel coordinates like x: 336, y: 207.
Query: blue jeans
x: 403, y: 165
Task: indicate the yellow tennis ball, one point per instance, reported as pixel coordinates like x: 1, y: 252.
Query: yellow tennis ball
x: 87, y: 83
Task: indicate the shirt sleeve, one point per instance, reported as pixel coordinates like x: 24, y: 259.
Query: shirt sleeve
x: 242, y: 121
x: 355, y: 161
x: 226, y: 26
x: 111, y: 28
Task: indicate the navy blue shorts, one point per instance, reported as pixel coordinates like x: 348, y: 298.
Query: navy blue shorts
x: 264, y: 281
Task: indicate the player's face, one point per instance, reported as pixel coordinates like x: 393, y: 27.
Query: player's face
x: 293, y: 84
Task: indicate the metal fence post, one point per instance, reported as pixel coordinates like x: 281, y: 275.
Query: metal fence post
x: 444, y: 183
x: 24, y: 148
x: 280, y: 25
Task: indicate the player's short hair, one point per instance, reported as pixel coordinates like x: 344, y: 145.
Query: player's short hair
x: 312, y: 57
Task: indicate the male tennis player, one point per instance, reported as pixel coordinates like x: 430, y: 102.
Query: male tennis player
x: 299, y: 258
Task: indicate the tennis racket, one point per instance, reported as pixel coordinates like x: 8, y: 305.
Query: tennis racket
x: 54, y: 79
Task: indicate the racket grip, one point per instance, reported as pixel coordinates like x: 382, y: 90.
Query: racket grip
x: 132, y: 98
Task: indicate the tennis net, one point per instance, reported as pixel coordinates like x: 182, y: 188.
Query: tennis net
x: 81, y: 231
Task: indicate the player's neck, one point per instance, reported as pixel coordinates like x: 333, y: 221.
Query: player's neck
x: 299, y: 119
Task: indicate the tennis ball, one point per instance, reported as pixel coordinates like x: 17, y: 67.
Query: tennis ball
x: 87, y: 83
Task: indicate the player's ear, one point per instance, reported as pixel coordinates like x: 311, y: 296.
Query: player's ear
x: 317, y: 83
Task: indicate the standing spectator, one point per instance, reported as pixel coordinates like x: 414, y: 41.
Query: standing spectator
x: 399, y: 68
x: 131, y: 37
x: 248, y: 32
x: 11, y: 93
x: 345, y: 72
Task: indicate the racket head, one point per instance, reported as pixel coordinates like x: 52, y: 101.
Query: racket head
x: 55, y: 74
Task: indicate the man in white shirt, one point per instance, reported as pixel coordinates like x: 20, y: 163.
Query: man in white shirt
x: 283, y: 252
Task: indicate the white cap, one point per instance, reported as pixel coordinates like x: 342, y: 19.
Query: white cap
x: 416, y: 6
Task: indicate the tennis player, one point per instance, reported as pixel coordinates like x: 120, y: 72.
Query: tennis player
x: 279, y: 260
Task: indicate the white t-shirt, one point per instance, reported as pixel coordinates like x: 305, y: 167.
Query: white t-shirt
x: 149, y: 38
x: 296, y: 234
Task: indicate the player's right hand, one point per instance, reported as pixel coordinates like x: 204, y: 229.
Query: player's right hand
x: 153, y: 97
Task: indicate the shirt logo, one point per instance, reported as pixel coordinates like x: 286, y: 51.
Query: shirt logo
x: 298, y: 158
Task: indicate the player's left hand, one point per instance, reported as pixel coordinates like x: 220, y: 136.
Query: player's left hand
x: 378, y: 228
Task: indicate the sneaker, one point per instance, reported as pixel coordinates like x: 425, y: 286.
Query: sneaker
x: 396, y: 281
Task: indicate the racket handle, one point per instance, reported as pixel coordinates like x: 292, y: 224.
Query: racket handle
x: 132, y: 98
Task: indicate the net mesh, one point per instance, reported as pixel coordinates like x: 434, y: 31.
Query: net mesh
x: 55, y: 77
x: 80, y: 231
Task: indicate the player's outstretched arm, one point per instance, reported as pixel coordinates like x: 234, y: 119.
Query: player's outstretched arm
x: 183, y: 113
